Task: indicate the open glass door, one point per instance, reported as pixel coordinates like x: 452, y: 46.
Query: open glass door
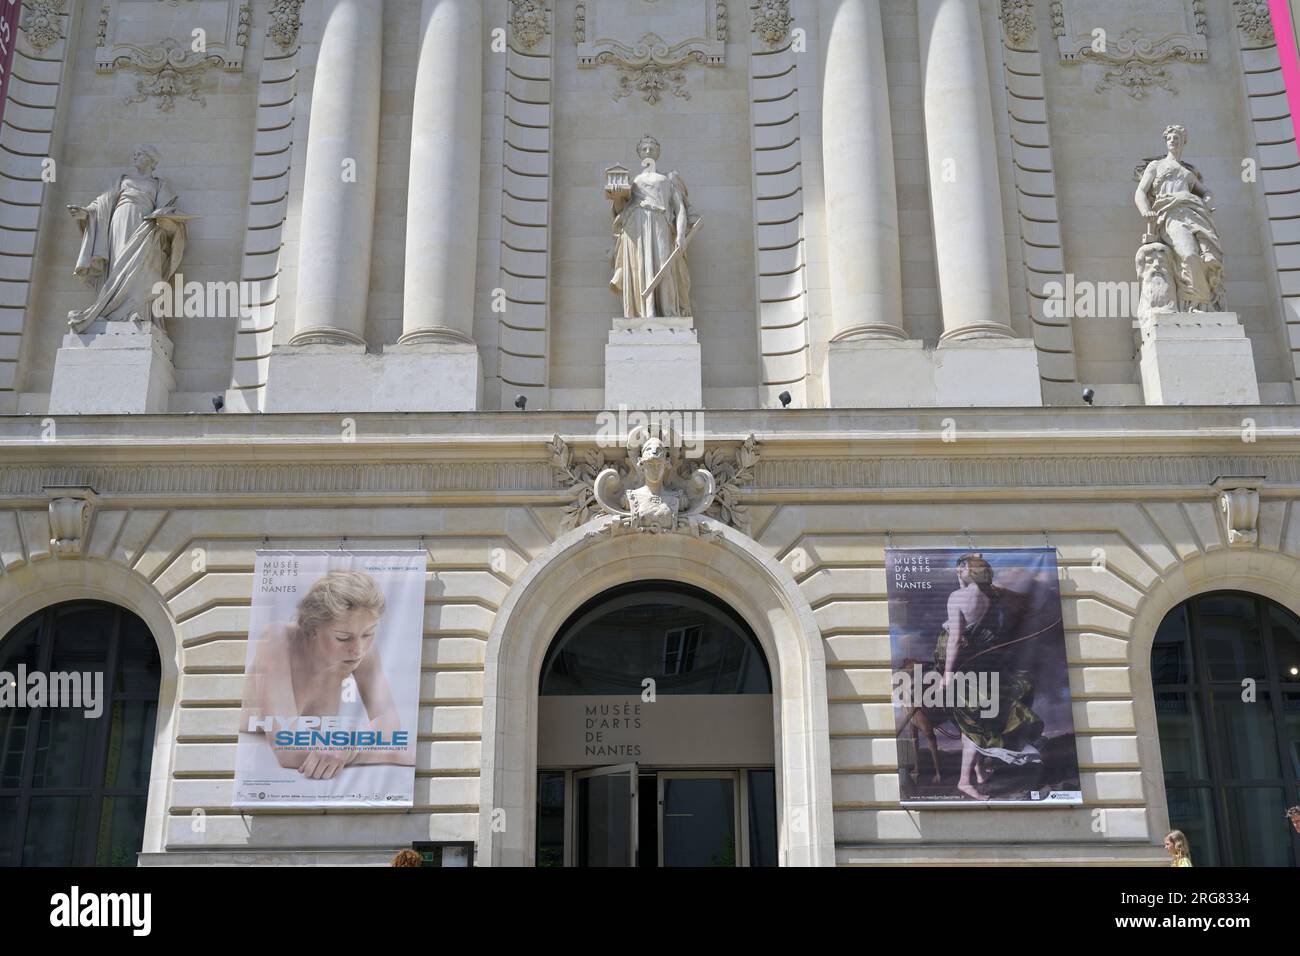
x: 607, y: 816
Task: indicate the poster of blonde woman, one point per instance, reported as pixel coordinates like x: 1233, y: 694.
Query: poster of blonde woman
x: 980, y: 680
x: 332, y: 680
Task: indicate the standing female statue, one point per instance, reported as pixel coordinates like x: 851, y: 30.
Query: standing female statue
x: 132, y: 239
x: 1175, y: 202
x: 651, y: 221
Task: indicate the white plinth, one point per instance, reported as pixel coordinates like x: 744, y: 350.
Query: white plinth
x: 653, y: 364
x: 884, y: 373
x: 1197, y: 358
x: 113, y: 368
x: 347, y: 378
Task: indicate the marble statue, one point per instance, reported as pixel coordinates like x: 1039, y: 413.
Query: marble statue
x: 132, y: 239
x: 652, y: 228
x: 663, y: 503
x: 1175, y: 203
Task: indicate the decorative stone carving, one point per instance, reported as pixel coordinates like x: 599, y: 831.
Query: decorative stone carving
x: 710, y: 487
x: 1175, y: 203
x: 1137, y: 59
x: 132, y: 238
x: 630, y: 34
x: 285, y: 20
x: 529, y: 22
x: 1253, y: 20
x: 772, y: 21
x: 135, y: 35
x: 43, y: 22
x: 1239, y: 503
x: 71, y: 508
x: 653, y: 228
x: 659, y: 503
x: 1017, y: 20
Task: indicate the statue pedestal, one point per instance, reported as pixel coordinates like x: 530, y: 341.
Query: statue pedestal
x: 1197, y: 358
x: 653, y: 364
x: 425, y: 377
x: 113, y: 368
x: 902, y: 373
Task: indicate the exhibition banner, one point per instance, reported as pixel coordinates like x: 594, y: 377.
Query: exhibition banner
x: 9, y: 11
x: 332, y: 686
x: 980, y: 683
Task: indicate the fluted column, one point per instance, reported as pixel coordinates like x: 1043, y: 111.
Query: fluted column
x: 858, y: 170
x: 443, y: 197
x: 338, y: 212
x: 965, y: 196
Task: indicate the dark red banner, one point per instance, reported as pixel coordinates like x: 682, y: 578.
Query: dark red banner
x: 9, y: 11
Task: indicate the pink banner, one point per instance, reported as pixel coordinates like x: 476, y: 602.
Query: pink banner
x: 9, y: 10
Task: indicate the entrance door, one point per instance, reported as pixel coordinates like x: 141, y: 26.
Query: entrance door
x: 699, y: 816
x: 607, y: 816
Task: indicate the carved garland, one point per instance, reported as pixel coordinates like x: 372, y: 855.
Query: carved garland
x: 1254, y: 21
x: 772, y: 21
x: 1018, y: 20
x: 43, y: 23
x: 285, y: 22
x: 529, y: 22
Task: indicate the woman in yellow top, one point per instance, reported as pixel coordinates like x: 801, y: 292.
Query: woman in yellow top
x: 1176, y: 846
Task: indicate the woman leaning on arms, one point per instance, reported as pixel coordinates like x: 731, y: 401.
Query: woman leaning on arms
x: 1176, y: 846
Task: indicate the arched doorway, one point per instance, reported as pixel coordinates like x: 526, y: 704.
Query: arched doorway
x: 1225, y: 672
x: 656, y: 735
x: 79, y: 685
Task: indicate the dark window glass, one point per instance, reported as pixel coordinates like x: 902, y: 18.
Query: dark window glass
x: 1191, y: 810
x: 762, y: 818
x: 1171, y: 654
x: 1255, y: 822
x: 1286, y: 643
x: 678, y: 636
x: 74, y: 765
x: 1182, y: 746
x: 550, y: 818
x: 1229, y: 625
x: 1247, y: 739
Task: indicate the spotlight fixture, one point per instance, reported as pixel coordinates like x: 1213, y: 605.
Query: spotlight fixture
x: 1089, y: 395
x: 785, y: 399
x: 521, y: 401
x: 218, y: 403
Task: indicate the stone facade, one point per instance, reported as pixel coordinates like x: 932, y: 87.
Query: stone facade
x: 890, y: 192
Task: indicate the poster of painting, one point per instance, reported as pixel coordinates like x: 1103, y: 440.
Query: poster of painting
x: 980, y: 682
x: 332, y: 687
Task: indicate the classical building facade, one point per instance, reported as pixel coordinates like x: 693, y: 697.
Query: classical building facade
x: 659, y: 314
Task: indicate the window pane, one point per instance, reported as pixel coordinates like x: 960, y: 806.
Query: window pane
x: 1247, y: 739
x: 8, y: 824
x: 1171, y: 654
x: 1182, y: 743
x: 19, y: 649
x: 121, y: 831
x: 762, y: 818
x: 1286, y: 642
x: 14, y: 722
x: 550, y: 818
x: 1190, y: 810
x: 1291, y: 715
x: 66, y: 744
x: 59, y: 830
x: 1259, y: 831
x: 699, y: 822
x: 605, y: 820
x: 81, y: 636
x: 1230, y: 636
x: 130, y: 746
x: 139, y: 669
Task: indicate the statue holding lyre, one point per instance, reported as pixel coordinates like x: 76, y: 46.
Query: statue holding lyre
x: 653, y: 227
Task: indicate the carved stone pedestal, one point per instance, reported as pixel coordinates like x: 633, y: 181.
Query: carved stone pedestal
x: 113, y: 368
x: 874, y: 373
x: 653, y: 364
x: 347, y: 378
x: 1197, y: 358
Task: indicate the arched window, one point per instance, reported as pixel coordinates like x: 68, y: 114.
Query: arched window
x: 76, y: 736
x: 1225, y: 669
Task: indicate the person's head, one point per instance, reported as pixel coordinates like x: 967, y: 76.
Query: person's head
x: 648, y: 148
x: 653, y: 460
x: 145, y: 158
x: 407, y: 857
x: 1293, y: 814
x: 339, y: 618
x: 1176, y: 845
x: 973, y: 569
x: 1175, y: 138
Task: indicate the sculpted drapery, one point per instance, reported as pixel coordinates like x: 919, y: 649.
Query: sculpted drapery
x: 132, y: 239
x: 651, y: 219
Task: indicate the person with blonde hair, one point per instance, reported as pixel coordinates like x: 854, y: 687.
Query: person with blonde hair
x: 1176, y: 846
x: 320, y: 664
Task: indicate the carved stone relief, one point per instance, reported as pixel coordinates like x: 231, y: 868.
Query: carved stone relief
x: 43, y: 22
x: 529, y: 22
x: 1135, y: 44
x: 650, y: 42
x: 171, y: 44
x: 1239, y: 504
x: 772, y: 21
x: 285, y: 22
x: 1253, y: 20
x: 71, y: 508
x: 1017, y: 20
